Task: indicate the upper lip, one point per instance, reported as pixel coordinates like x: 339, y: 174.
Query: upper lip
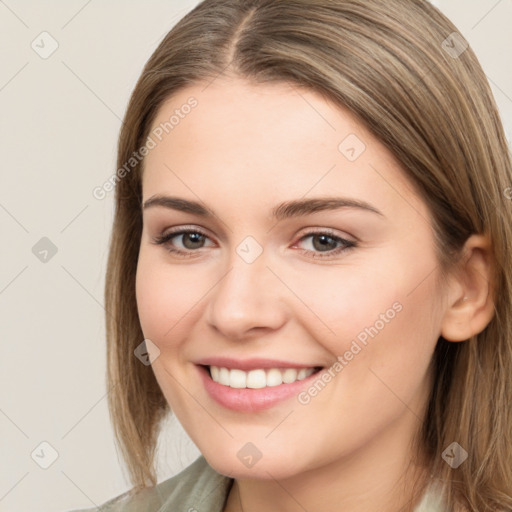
x: 251, y: 364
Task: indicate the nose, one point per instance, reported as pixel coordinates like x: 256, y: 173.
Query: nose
x: 248, y: 301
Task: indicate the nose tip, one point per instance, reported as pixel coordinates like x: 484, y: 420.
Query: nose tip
x: 246, y: 301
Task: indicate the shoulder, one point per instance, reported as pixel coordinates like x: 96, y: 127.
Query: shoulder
x: 197, y: 487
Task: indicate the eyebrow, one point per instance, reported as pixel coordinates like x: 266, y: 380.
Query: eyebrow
x: 288, y: 209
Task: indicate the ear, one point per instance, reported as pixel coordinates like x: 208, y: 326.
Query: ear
x: 470, y: 305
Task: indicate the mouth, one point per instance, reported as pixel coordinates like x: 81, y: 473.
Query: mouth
x: 258, y: 378
x: 260, y: 386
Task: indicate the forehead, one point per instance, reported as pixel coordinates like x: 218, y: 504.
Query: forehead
x: 239, y: 140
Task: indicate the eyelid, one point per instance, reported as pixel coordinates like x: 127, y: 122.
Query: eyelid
x: 317, y: 230
x: 178, y: 230
x: 346, y: 243
x: 164, y: 239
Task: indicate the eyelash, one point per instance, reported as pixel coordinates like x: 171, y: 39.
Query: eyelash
x: 165, y: 239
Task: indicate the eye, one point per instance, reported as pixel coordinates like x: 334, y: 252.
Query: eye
x: 182, y: 241
x: 186, y: 242
x: 324, y: 244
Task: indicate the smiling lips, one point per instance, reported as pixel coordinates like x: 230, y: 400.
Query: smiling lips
x: 253, y: 385
x: 259, y: 378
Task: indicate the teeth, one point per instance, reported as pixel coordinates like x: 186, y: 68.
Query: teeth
x: 302, y: 374
x: 289, y: 375
x: 214, y: 370
x: 257, y: 379
x: 274, y: 377
x: 237, y: 379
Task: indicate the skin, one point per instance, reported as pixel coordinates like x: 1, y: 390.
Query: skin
x: 244, y: 149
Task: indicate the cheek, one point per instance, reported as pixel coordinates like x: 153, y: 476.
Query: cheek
x: 379, y: 314
x: 343, y: 300
x: 165, y: 299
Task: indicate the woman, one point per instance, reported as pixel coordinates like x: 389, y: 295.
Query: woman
x: 310, y: 263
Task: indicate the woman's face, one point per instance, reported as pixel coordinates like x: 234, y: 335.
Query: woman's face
x: 306, y: 248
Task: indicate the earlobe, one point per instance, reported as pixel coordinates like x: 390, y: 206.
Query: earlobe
x: 470, y: 305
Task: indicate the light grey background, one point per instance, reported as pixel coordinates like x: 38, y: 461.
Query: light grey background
x: 59, y: 122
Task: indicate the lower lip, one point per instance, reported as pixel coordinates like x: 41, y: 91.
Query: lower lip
x: 251, y: 400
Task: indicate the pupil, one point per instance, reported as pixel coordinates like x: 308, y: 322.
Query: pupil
x: 195, y: 238
x: 326, y: 241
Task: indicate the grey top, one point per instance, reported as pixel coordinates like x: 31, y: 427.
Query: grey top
x: 199, y: 488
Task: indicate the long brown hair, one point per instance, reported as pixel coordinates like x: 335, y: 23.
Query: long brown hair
x: 402, y: 68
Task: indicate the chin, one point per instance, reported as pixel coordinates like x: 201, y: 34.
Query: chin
x: 266, y: 468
